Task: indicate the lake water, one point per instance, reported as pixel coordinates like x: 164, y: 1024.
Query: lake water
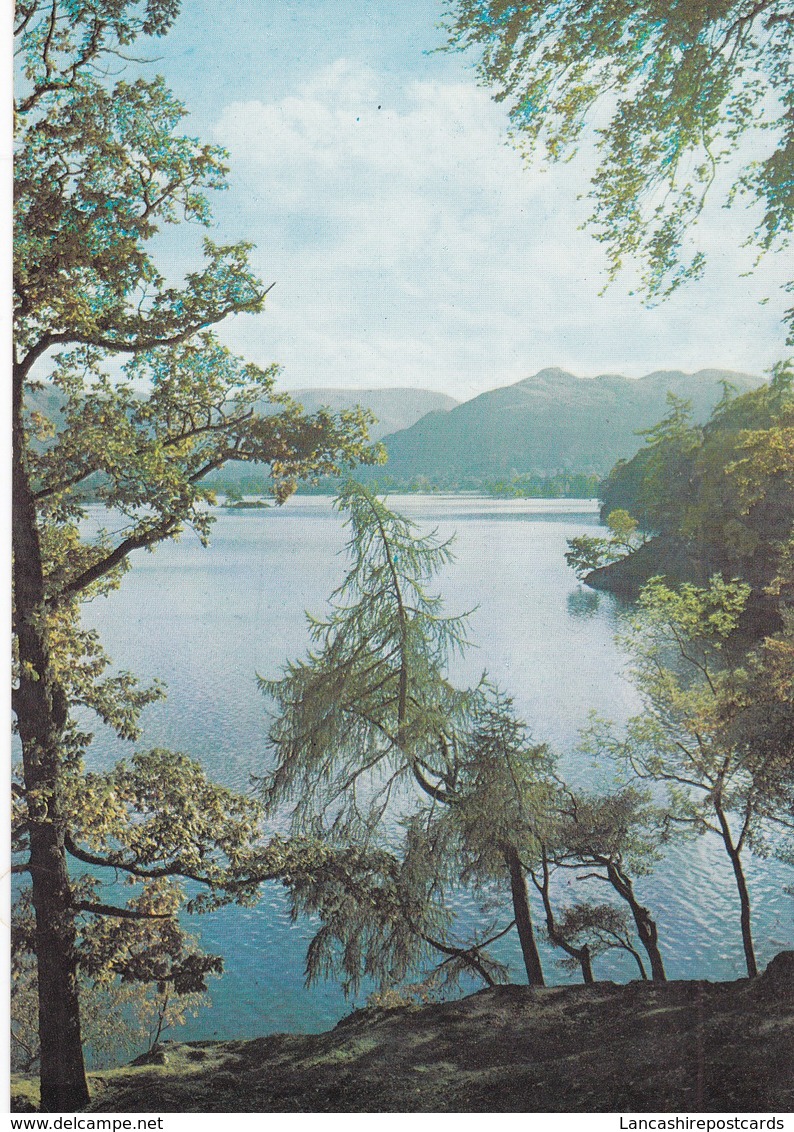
x: 207, y: 620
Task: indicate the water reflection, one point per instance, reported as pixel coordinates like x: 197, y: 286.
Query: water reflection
x: 583, y: 603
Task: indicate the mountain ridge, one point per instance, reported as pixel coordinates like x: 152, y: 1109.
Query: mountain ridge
x: 396, y: 407
x: 550, y: 422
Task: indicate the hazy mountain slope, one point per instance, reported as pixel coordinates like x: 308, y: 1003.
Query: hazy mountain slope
x: 396, y: 409
x: 550, y: 422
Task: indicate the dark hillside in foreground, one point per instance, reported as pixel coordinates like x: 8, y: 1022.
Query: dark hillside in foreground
x: 549, y: 423
x: 642, y: 1047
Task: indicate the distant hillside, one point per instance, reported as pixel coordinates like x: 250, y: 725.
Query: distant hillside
x: 396, y: 409
x: 548, y: 425
x: 552, y: 422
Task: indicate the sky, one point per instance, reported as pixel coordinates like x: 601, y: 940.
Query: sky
x: 409, y: 243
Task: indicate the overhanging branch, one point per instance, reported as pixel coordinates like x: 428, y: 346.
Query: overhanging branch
x: 120, y: 913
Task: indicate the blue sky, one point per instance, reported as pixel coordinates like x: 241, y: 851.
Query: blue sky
x: 409, y: 243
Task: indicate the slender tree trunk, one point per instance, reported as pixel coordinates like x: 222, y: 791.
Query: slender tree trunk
x: 640, y: 964
x: 41, y: 711
x: 744, y: 896
x: 646, y: 926
x: 529, y: 948
x: 581, y: 954
x: 585, y: 962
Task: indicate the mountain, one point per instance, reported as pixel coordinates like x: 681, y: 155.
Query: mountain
x: 396, y: 409
x: 549, y: 423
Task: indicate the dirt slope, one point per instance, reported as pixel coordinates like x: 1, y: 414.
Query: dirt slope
x: 678, y: 1047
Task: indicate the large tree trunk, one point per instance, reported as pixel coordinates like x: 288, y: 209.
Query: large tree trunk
x: 41, y: 711
x: 646, y: 926
x: 523, y: 916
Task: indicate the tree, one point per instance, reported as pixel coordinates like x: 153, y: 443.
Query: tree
x: 100, y: 165
x: 699, y: 698
x: 369, y: 736
x: 587, y: 930
x: 588, y: 552
x: 718, y: 497
x: 371, y: 713
x: 615, y: 837
x: 502, y: 790
x: 659, y: 479
x: 669, y: 91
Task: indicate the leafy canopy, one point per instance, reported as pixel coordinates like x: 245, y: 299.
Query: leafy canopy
x: 723, y: 490
x: 670, y: 90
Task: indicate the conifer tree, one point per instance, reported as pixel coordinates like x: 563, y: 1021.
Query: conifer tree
x: 370, y: 719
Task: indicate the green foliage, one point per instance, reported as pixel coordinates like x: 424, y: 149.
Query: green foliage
x: 670, y: 91
x: 623, y: 529
x: 588, y: 552
x: 699, y: 732
x: 502, y: 791
x: 370, y: 709
x: 598, y: 927
x: 668, y: 469
x: 152, y: 825
x: 620, y: 828
x: 723, y: 491
x: 377, y: 915
x: 101, y: 164
x: 121, y: 1018
x: 564, y: 485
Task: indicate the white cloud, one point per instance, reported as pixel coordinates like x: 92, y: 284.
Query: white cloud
x: 412, y: 246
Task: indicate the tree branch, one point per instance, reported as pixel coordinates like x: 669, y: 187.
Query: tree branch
x: 169, y: 442
x: 120, y: 913
x: 116, y: 557
x: 131, y: 867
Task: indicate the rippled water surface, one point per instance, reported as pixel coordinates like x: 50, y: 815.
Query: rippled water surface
x: 207, y: 620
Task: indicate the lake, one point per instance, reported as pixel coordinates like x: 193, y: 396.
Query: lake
x: 206, y: 621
